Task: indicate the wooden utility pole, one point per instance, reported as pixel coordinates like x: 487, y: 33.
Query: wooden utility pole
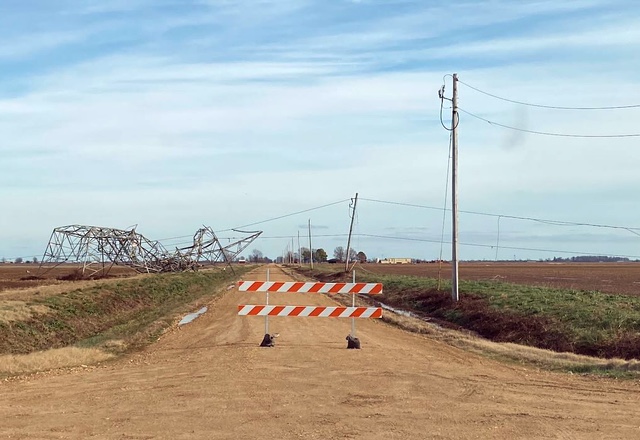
x: 353, y: 216
x: 310, y: 248
x: 454, y: 190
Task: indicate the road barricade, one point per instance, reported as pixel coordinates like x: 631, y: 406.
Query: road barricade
x: 352, y: 312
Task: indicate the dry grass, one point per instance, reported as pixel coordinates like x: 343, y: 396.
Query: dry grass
x: 95, y: 320
x: 19, y: 310
x: 514, y: 352
x: 11, y: 365
x: 545, y: 359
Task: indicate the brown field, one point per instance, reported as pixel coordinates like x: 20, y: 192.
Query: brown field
x: 621, y: 278
x: 22, y: 276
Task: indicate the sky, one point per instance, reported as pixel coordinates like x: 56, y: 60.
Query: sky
x: 173, y: 114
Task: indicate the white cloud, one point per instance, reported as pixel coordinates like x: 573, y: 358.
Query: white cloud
x: 171, y: 141
x: 29, y: 45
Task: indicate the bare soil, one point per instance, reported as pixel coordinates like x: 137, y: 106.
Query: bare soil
x: 29, y: 275
x: 210, y: 380
x: 623, y: 278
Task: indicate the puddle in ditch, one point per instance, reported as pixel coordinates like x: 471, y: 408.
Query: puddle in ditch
x: 191, y: 316
x: 399, y: 311
x: 394, y: 310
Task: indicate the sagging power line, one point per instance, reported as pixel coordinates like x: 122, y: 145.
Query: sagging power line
x: 547, y: 133
x: 489, y: 246
x: 285, y: 215
x: 554, y: 107
x: 634, y: 230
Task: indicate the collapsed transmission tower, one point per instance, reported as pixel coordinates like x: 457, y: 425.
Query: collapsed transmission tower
x: 207, y: 248
x: 97, y: 249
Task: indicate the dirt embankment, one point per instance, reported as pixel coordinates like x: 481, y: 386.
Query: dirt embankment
x: 113, y: 316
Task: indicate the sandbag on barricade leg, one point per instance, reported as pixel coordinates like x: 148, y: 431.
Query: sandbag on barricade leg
x: 268, y: 340
x: 353, y: 342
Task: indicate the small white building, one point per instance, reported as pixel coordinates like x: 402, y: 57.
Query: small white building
x: 397, y: 261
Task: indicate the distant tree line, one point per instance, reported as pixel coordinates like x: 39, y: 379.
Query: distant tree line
x: 590, y: 259
x: 257, y: 257
x: 19, y: 260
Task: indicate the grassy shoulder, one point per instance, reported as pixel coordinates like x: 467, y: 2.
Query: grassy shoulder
x: 113, y: 317
x: 584, y: 323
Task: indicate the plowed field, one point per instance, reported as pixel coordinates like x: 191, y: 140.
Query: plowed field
x: 606, y: 277
x: 25, y: 275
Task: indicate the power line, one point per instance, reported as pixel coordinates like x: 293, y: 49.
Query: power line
x: 633, y: 230
x: 28, y: 258
x: 411, y: 205
x: 555, y: 107
x: 426, y: 240
x: 174, y: 238
x: 454, y: 124
x: 546, y: 133
x: 230, y: 229
x: 285, y: 215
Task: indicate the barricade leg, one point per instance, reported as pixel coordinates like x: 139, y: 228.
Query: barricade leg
x: 352, y: 341
x: 268, y: 340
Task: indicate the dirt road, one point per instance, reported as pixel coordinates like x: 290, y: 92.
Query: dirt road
x: 210, y: 380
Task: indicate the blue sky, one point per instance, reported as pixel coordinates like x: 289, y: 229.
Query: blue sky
x: 173, y: 114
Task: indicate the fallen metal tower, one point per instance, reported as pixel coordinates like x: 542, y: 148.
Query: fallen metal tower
x: 97, y: 249
x: 208, y: 249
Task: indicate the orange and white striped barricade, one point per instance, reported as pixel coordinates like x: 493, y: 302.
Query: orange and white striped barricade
x: 309, y: 287
x: 352, y: 312
x: 310, y: 311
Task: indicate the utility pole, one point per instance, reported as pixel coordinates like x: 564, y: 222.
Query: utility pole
x: 454, y: 190
x: 310, y: 248
x: 353, y: 216
x: 299, y: 250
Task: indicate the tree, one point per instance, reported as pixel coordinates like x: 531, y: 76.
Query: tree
x: 339, y: 253
x: 320, y: 255
x: 18, y: 260
x: 306, y: 255
x: 362, y: 257
x: 256, y: 256
x: 352, y: 254
x: 35, y: 260
x: 4, y: 260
